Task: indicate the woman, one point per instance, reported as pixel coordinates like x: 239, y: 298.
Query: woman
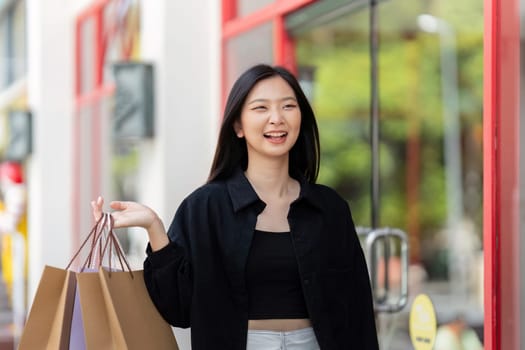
x: 260, y: 257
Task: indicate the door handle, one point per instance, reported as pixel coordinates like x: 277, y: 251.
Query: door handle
x: 374, y: 250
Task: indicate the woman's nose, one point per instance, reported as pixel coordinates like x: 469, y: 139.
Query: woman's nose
x: 275, y: 116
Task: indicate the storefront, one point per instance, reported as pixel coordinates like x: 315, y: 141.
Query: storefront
x: 441, y: 102
x: 444, y: 169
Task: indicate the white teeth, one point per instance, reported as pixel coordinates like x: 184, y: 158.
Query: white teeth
x: 275, y: 134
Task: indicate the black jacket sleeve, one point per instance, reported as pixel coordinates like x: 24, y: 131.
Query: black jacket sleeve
x: 168, y: 273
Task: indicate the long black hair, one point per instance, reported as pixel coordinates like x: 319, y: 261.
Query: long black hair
x: 232, y: 151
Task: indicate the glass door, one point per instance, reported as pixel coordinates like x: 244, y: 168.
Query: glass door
x: 429, y: 154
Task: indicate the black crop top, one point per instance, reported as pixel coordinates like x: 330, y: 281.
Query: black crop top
x: 272, y: 277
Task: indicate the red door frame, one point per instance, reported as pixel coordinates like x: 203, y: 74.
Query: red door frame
x: 284, y: 47
x: 501, y: 174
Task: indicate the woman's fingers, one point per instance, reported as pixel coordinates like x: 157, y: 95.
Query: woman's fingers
x: 118, y: 205
x: 97, y: 207
x: 120, y: 215
x: 128, y: 214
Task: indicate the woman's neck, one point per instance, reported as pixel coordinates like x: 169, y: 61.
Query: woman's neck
x: 270, y: 179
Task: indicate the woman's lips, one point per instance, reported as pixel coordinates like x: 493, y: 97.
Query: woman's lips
x: 276, y: 136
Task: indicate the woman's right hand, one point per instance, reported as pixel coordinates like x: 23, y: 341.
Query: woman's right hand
x: 133, y: 214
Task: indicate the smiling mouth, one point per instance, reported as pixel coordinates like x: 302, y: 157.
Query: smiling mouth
x: 275, y: 135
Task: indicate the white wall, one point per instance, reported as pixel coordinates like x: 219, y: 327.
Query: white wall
x: 50, y: 98
x: 182, y: 39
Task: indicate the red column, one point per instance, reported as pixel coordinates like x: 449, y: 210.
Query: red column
x: 501, y: 175
x: 284, y: 45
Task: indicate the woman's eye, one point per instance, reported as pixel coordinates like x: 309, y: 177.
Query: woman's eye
x: 259, y: 108
x: 290, y: 106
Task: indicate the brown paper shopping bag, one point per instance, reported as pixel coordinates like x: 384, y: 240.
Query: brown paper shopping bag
x: 116, y: 308
x: 133, y: 319
x: 49, y: 321
x: 97, y: 334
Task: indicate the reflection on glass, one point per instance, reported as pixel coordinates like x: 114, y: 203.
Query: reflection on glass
x: 87, y: 52
x: 84, y: 117
x: 19, y: 40
x: 3, y: 54
x: 248, y: 49
x: 124, y: 174
x: 12, y: 43
x: 247, y: 7
x: 123, y: 26
x: 420, y: 181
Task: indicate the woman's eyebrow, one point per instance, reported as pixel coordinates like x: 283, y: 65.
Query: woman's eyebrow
x: 266, y: 100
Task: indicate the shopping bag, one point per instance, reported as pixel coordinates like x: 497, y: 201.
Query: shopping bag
x: 116, y: 309
x: 96, y: 330
x: 77, y: 339
x: 49, y: 321
x: 112, y: 310
x: 133, y: 319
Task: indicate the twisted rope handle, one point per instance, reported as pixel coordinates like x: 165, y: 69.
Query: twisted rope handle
x: 95, y: 256
x: 94, y: 235
x: 112, y: 243
x: 103, y: 241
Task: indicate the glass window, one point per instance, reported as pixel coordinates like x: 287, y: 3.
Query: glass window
x: 87, y: 66
x: 431, y: 161
x: 12, y: 43
x: 247, y: 49
x: 84, y: 124
x: 4, y: 59
x: 246, y: 7
x: 19, y: 67
x: 112, y: 19
x: 123, y: 42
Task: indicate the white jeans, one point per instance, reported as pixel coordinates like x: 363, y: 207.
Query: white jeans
x: 301, y: 339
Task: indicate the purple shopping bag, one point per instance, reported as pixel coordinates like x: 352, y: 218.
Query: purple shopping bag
x: 77, y: 339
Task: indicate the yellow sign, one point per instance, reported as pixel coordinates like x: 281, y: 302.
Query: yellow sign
x: 422, y: 323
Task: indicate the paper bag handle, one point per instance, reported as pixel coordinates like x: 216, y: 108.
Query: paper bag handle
x: 105, y: 245
x: 112, y: 242
x: 94, y: 234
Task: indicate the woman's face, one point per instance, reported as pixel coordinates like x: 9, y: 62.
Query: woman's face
x: 270, y: 119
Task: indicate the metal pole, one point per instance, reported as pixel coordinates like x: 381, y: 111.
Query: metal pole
x: 374, y: 143
x: 374, y: 110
